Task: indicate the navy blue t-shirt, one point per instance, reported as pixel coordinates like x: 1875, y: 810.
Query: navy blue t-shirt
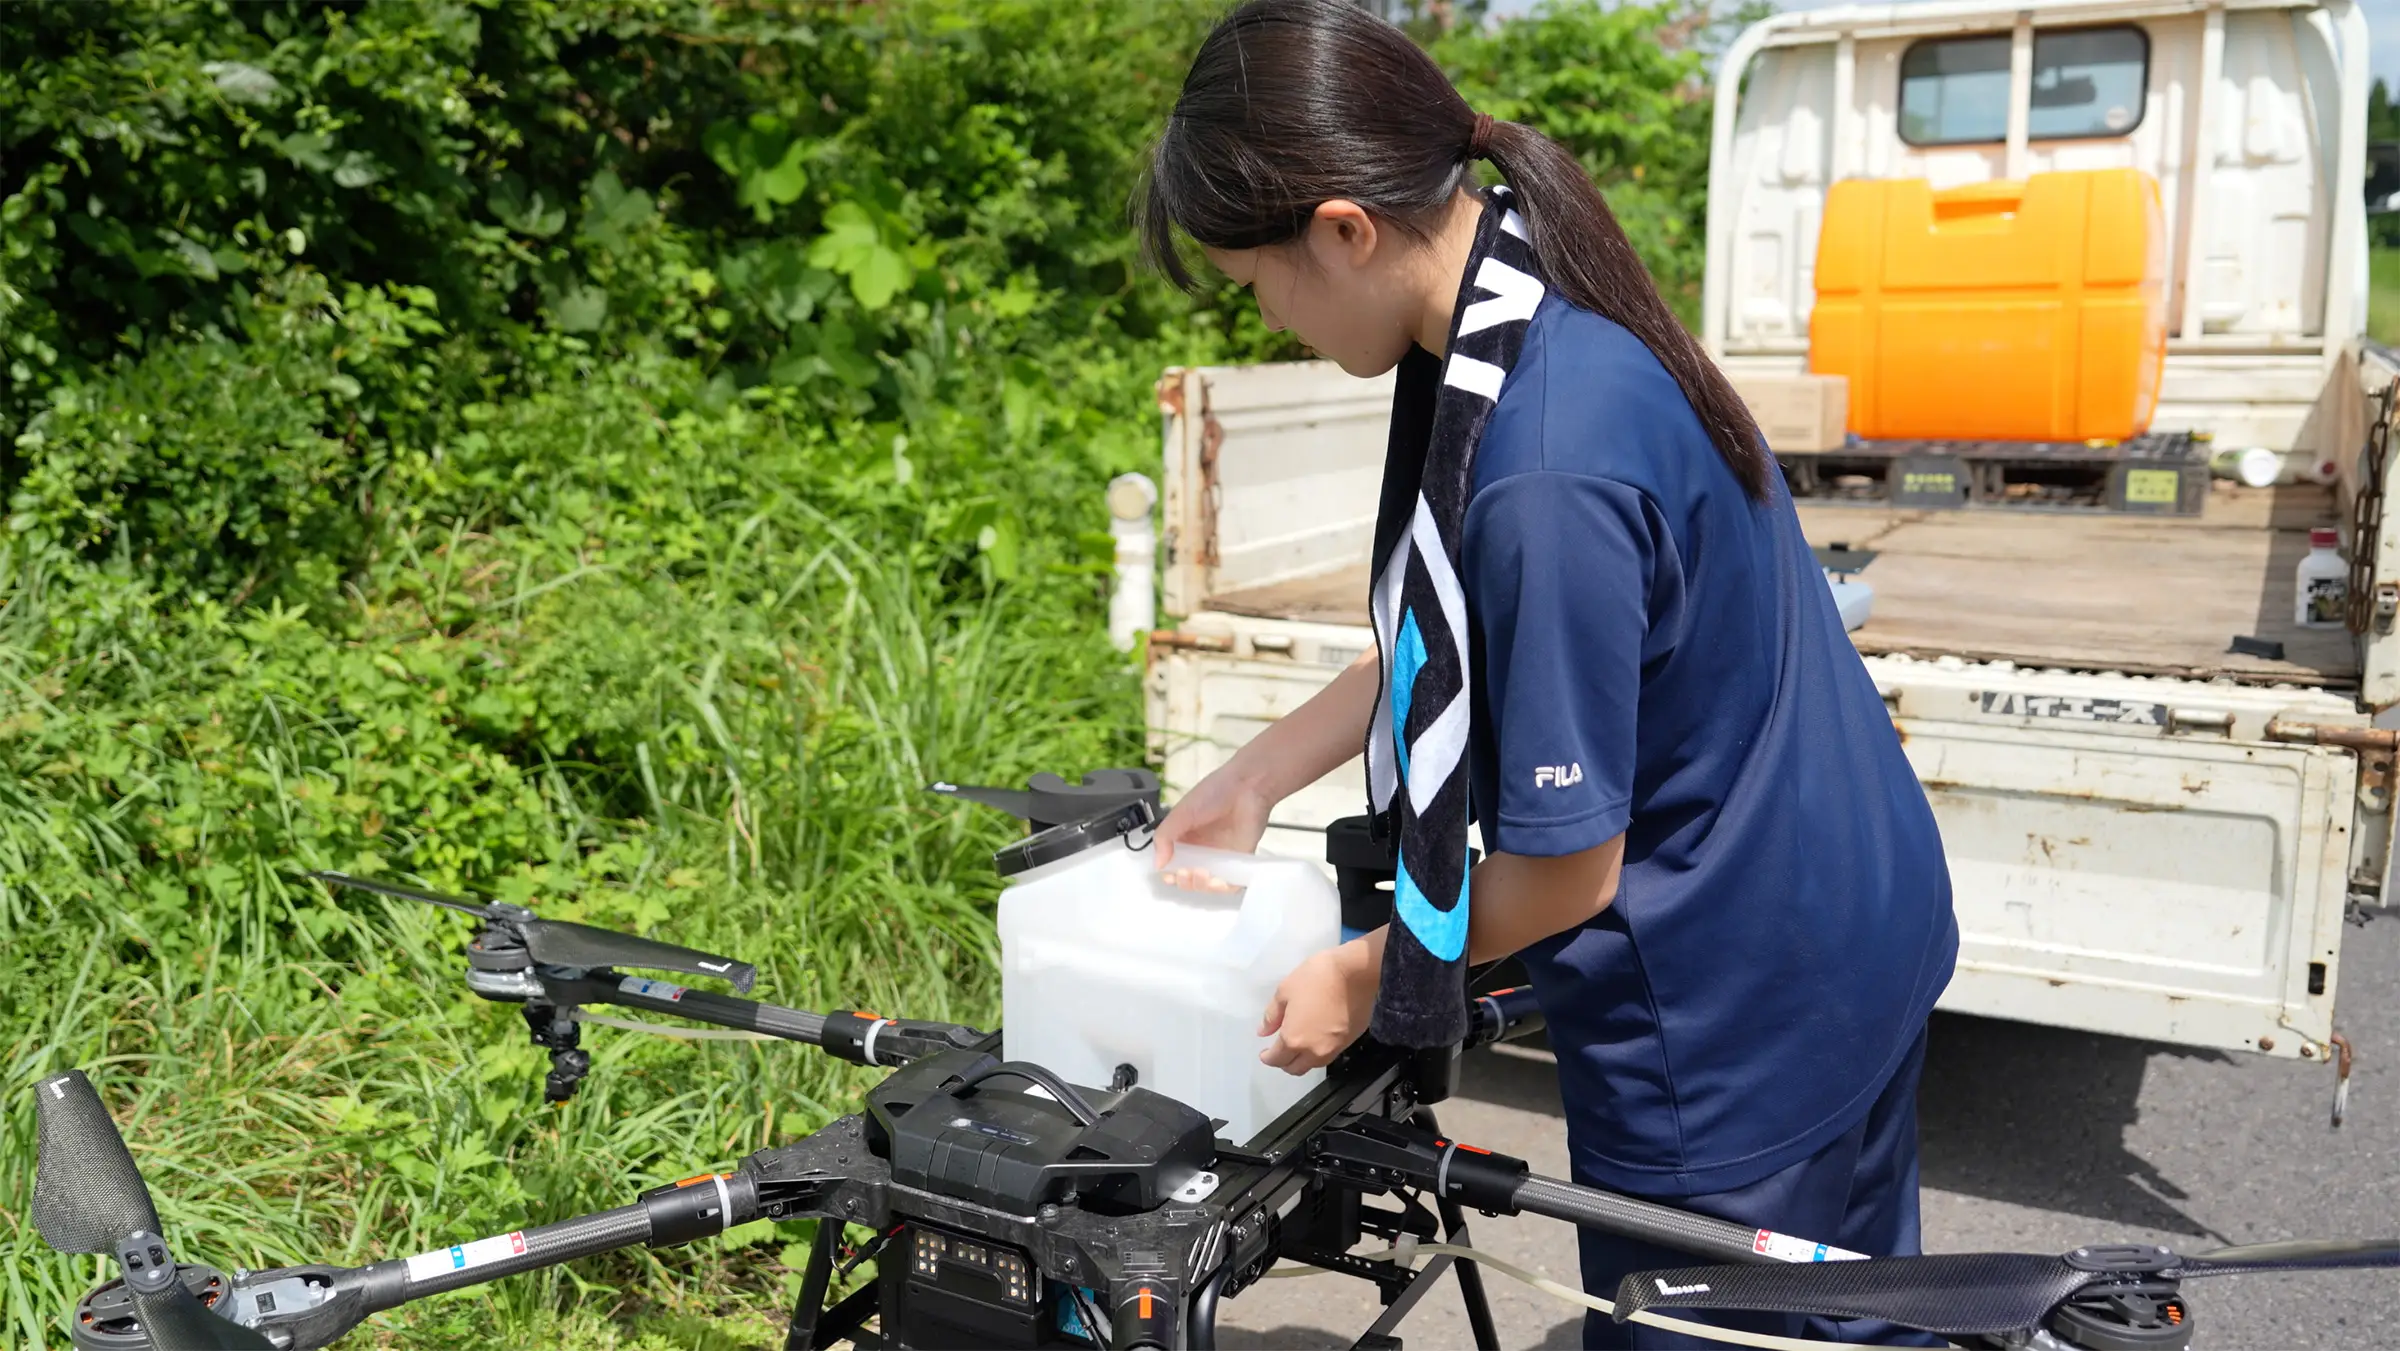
x: 1657, y: 655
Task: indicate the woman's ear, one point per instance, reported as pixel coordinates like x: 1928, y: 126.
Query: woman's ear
x: 1342, y: 234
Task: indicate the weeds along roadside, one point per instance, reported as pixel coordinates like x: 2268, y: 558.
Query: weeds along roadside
x: 662, y: 687
x: 605, y: 455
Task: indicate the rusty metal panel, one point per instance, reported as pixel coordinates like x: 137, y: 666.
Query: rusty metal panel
x: 2142, y: 856
x: 1206, y: 702
x: 2177, y: 889
x: 1183, y: 581
x: 1272, y: 475
x: 2375, y: 563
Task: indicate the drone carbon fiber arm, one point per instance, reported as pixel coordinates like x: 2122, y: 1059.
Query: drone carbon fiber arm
x: 316, y: 1306
x: 859, y: 1037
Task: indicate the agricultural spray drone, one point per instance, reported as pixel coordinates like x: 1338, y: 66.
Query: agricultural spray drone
x: 1009, y: 1208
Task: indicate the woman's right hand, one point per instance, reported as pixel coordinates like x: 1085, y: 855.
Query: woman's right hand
x: 1226, y: 810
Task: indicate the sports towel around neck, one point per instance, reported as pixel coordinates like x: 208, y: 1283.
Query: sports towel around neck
x: 1417, y: 743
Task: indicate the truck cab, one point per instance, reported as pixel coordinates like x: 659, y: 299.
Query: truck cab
x: 2153, y: 829
x: 2250, y: 117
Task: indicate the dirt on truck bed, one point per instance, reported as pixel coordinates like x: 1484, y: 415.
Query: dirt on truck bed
x: 2145, y: 595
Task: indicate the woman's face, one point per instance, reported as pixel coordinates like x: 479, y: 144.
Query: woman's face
x: 1343, y: 287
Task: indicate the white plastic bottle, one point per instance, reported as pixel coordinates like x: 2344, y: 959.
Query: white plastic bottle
x: 1103, y: 964
x: 2323, y: 585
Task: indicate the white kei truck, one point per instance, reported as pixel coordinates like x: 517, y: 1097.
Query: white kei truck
x: 2150, y: 834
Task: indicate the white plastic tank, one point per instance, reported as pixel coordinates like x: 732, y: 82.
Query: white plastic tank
x: 1104, y: 964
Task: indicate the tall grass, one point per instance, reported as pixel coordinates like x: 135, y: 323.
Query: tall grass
x: 2383, y: 296
x: 651, y: 684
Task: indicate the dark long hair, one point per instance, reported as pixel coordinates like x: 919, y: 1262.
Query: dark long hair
x: 1292, y: 103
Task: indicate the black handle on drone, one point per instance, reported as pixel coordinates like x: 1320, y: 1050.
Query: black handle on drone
x: 1503, y: 1015
x: 1144, y: 1319
x: 1378, y: 1152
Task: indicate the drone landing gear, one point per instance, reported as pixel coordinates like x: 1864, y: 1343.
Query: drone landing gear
x: 1341, y: 1219
x: 555, y: 1028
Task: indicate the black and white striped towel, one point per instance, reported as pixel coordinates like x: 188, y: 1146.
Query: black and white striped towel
x: 1417, y: 743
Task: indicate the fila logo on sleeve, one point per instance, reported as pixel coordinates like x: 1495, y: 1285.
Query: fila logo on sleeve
x: 1558, y: 776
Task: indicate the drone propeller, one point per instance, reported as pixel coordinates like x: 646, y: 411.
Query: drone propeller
x: 558, y: 942
x: 1048, y: 800
x: 1963, y: 1294
x: 2296, y: 1255
x: 89, y: 1198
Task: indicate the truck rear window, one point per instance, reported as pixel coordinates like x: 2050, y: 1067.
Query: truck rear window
x: 1954, y: 91
x: 2087, y: 82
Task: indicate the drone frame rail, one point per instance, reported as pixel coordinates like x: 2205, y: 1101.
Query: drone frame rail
x: 1133, y: 1277
x: 1295, y: 1192
x: 1162, y: 1273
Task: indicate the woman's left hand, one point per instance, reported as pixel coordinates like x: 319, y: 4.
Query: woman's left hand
x: 1321, y: 1007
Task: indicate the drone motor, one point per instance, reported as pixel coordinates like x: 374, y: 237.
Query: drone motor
x: 105, y: 1319
x: 2133, y: 1316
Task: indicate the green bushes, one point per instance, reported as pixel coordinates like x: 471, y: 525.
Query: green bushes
x: 663, y: 688
x: 607, y: 455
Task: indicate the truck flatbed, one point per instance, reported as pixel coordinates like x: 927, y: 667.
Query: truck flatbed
x: 2141, y: 595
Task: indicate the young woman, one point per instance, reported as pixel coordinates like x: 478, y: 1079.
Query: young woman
x: 1601, y: 637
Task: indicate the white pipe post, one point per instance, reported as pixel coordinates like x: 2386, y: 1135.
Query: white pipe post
x: 1133, y: 606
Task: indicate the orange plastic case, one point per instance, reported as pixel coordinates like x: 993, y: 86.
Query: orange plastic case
x: 2031, y: 311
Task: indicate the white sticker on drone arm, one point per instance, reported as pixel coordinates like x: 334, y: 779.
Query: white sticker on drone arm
x: 653, y: 989
x: 1785, y: 1248
x: 466, y: 1256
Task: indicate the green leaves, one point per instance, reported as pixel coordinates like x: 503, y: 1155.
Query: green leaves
x: 777, y: 282
x: 765, y: 160
x: 829, y: 348
x: 1623, y: 87
x: 424, y: 464
x: 858, y: 245
x: 526, y: 210
x: 240, y: 82
x: 614, y: 211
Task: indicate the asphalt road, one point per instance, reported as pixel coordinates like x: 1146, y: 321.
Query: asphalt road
x: 2036, y: 1140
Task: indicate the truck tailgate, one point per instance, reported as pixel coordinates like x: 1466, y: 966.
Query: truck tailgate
x: 2127, y: 854
x: 2134, y: 856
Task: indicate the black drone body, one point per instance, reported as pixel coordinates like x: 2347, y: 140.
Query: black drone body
x: 1010, y: 1209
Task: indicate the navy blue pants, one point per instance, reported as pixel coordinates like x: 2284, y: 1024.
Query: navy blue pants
x: 1859, y: 1193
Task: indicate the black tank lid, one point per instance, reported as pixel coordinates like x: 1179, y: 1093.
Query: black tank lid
x: 1075, y: 837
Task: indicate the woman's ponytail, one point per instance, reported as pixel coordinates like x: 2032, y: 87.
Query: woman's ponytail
x: 1584, y: 253
x: 1293, y: 103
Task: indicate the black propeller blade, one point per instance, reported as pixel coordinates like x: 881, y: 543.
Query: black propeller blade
x: 1017, y: 802
x: 2297, y: 1255
x: 382, y: 888
x: 1954, y: 1294
x: 1964, y: 1294
x: 87, y: 1193
x: 89, y: 1198
x: 1048, y: 800
x: 558, y: 942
